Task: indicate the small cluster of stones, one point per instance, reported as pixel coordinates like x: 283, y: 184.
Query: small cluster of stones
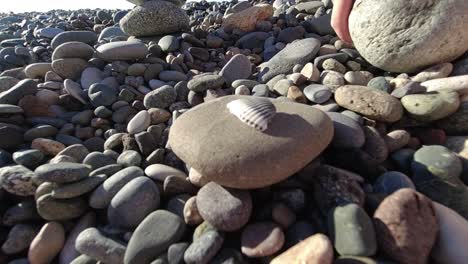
x: 105, y: 158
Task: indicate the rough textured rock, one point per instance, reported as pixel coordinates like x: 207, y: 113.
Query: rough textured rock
x: 398, y: 35
x: 372, y: 103
x: 246, y: 20
x: 154, y: 18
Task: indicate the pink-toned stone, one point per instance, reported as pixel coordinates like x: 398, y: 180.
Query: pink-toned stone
x: 316, y: 249
x: 47, y: 244
x: 47, y: 146
x: 406, y: 226
x: 247, y: 19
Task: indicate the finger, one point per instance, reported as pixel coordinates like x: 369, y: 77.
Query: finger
x: 340, y: 15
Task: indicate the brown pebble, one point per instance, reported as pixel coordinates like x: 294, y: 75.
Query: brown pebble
x: 47, y: 146
x: 406, y: 226
x: 316, y: 249
x: 47, y: 244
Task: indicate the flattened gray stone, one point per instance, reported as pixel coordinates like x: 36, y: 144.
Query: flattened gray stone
x: 153, y: 236
x: 298, y: 52
x: 87, y: 37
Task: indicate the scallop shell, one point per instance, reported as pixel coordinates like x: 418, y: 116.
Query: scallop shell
x: 255, y: 112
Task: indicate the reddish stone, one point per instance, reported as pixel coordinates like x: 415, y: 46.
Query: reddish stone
x: 406, y: 226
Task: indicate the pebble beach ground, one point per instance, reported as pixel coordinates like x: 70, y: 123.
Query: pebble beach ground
x: 235, y: 132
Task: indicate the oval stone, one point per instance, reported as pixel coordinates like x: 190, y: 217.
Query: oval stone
x: 398, y: 35
x: 225, y: 150
x: 122, y: 50
x: 372, y: 103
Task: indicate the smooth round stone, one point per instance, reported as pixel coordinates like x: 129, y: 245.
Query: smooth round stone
x: 17, y: 180
x: 225, y: 209
x: 438, y: 71
x: 162, y: 97
x: 238, y: 67
x: 112, y: 32
x: 439, y: 161
x: 298, y: 52
x: 169, y: 43
x: 102, y: 95
x: 352, y: 231
x: 77, y: 152
x: 454, y: 83
x: 47, y: 243
x: 391, y: 182
x: 49, y: 32
x: 47, y: 146
x: 102, y: 196
x: 69, y: 252
x: 206, y: 82
x: 133, y: 203
x: 380, y: 83
x: 160, y: 172
x: 332, y: 79
x: 97, y: 160
x: 129, y: 158
x: 452, y: 236
x: 431, y: 107
x: 191, y: 214
x: 204, y: 248
x: 406, y: 226
x: 90, y: 76
x: 356, y: 78
x: 69, y: 68
x: 41, y: 131
x: 19, y: 238
x: 122, y: 50
x: 28, y: 158
x: 261, y: 239
x: 347, y: 132
x: 78, y: 188
x: 175, y: 253
x: 370, y: 24
x: 372, y: 103
x: 140, y: 122
x: 87, y: 37
x: 37, y: 70
x: 317, y: 248
x: 108, y: 170
x: 95, y: 244
x: 397, y: 139
x: 317, y: 93
x: 242, y: 90
x: 73, y: 49
x: 154, y: 18
x: 60, y: 209
x: 239, y: 162
x: 169, y: 76
x: 61, y: 172
x: 148, y: 242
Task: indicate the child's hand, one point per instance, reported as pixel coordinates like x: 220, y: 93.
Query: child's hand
x: 339, y: 20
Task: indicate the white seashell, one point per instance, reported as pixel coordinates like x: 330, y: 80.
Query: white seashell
x: 255, y: 111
